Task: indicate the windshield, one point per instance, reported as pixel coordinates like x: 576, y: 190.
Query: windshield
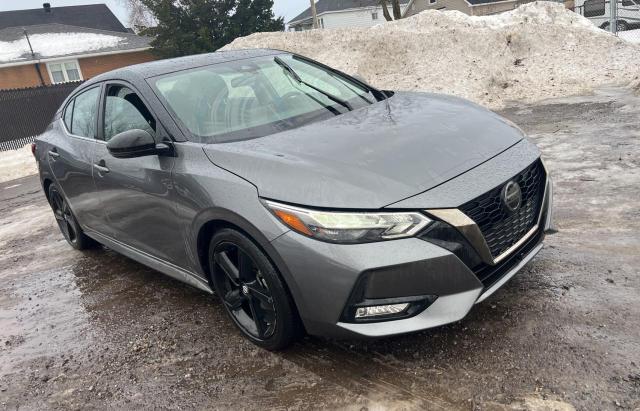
x: 255, y: 97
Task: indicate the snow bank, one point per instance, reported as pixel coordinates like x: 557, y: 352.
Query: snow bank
x: 540, y: 50
x: 56, y: 44
x: 17, y: 163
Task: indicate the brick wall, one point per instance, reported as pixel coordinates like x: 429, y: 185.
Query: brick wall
x: 27, y: 76
x: 93, y: 66
x: 21, y: 76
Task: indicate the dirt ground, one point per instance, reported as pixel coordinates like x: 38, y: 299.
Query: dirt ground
x: 96, y: 330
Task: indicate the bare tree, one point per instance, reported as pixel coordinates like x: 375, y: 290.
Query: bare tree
x: 314, y: 14
x: 139, y: 15
x: 395, y: 7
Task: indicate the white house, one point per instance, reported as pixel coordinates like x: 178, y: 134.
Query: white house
x: 344, y: 13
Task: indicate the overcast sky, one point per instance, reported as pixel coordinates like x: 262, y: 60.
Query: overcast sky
x: 286, y: 8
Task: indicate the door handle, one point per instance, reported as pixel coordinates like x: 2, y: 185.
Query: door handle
x: 53, y: 153
x: 101, y: 168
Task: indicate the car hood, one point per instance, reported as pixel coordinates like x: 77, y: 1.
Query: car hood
x: 373, y: 156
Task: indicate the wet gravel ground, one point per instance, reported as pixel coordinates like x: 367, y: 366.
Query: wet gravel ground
x: 96, y: 330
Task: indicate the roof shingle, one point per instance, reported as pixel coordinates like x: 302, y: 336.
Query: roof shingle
x: 58, y: 40
x: 95, y: 16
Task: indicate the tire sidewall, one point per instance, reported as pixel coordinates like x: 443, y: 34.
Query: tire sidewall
x: 285, y: 331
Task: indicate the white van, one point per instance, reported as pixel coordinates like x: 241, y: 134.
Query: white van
x: 599, y: 12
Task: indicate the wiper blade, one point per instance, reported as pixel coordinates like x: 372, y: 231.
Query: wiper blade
x: 287, y: 68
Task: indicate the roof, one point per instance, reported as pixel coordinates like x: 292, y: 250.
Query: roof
x: 95, y: 16
x: 323, y: 6
x: 160, y: 67
x: 51, y: 41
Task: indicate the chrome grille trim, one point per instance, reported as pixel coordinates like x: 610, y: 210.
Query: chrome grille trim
x: 471, y: 231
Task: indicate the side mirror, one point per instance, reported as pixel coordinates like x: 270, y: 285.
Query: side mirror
x: 134, y: 143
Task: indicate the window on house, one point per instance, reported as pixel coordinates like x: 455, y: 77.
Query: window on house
x: 64, y: 71
x: 374, y: 16
x: 322, y: 22
x: 432, y: 1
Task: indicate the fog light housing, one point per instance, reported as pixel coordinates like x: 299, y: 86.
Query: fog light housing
x: 380, y: 310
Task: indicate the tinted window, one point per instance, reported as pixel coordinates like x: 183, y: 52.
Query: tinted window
x: 255, y: 97
x: 124, y: 110
x: 85, y: 109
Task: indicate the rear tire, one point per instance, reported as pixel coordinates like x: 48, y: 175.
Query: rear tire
x: 67, y: 222
x: 252, y: 291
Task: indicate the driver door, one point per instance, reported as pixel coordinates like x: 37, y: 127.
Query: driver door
x: 137, y: 193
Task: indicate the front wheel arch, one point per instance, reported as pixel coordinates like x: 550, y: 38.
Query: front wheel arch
x: 209, y: 229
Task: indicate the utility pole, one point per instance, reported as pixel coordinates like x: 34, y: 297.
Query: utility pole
x: 314, y: 14
x: 613, y: 19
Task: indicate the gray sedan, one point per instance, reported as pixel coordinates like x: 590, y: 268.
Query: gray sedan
x: 305, y: 199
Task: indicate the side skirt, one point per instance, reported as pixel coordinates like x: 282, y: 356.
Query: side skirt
x: 164, y: 267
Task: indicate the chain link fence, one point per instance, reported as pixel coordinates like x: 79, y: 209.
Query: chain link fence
x: 621, y: 17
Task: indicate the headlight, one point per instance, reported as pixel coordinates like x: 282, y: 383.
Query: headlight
x: 346, y: 227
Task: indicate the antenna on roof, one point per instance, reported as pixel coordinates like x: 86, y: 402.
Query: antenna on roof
x: 46, y: 7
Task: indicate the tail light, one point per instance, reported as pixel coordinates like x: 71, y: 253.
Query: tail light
x: 33, y: 149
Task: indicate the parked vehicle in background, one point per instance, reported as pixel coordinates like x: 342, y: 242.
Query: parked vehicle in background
x: 599, y: 12
x: 304, y: 197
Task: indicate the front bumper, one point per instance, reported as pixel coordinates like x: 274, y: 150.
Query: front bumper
x: 323, y: 277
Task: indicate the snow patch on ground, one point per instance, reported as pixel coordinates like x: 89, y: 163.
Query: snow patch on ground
x: 540, y: 50
x: 632, y: 36
x: 56, y: 44
x: 17, y: 163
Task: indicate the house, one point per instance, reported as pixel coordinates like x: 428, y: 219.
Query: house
x: 60, y: 44
x: 470, y: 7
x: 343, y: 13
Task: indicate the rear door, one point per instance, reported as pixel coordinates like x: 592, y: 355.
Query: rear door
x: 70, y: 158
x: 137, y: 193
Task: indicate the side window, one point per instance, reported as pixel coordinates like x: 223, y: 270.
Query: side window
x: 68, y: 115
x: 123, y: 111
x: 85, y: 109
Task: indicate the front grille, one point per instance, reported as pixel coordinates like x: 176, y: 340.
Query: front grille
x: 490, y: 274
x: 500, y: 227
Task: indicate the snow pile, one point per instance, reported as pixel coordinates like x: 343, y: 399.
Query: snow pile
x: 56, y: 44
x: 17, y: 163
x: 540, y: 50
x: 13, y: 50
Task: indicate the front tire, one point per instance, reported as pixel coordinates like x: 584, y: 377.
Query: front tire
x: 67, y: 222
x: 252, y: 291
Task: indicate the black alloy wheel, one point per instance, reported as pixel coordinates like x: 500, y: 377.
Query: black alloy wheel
x: 252, y: 291
x: 66, y: 221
